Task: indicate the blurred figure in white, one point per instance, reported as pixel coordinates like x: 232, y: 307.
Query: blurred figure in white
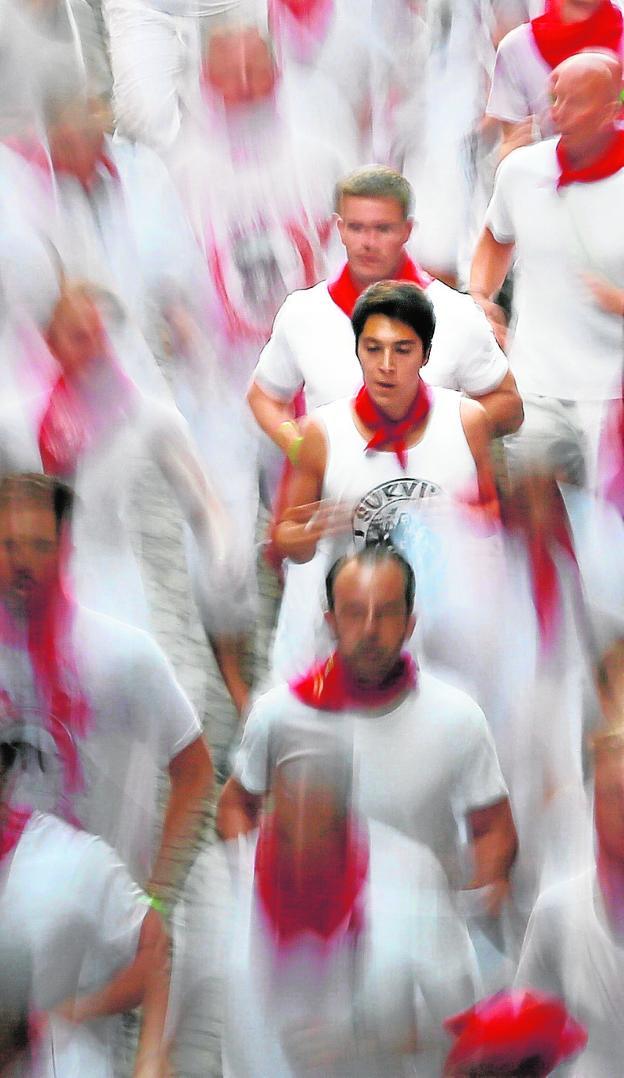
x: 96, y: 700
x: 258, y: 191
x: 339, y: 949
x: 555, y: 209
x: 88, y: 947
x: 574, y: 939
x: 88, y: 422
x: 520, y: 95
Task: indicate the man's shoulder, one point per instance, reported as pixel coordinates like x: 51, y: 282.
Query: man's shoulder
x: 516, y: 41
x: 434, y: 694
x: 537, y: 161
x: 304, y: 300
x: 111, y: 643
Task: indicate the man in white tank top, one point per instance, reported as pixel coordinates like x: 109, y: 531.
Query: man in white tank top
x: 311, y: 345
x: 366, y: 464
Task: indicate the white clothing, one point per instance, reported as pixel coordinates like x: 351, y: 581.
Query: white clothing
x: 564, y: 344
x: 140, y: 719
x: 66, y: 899
x: 387, y: 502
x: 414, y: 965
x: 155, y: 59
x: 520, y: 81
x: 571, y: 950
x: 312, y: 346
x: 420, y: 767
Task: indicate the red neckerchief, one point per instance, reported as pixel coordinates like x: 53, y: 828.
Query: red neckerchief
x: 328, y: 686
x: 13, y: 823
x: 388, y: 432
x: 51, y: 651
x: 557, y: 40
x: 511, y: 1027
x: 76, y: 418
x: 335, y: 901
x: 610, y: 161
x: 545, y: 582
x: 303, y: 27
x: 345, y: 293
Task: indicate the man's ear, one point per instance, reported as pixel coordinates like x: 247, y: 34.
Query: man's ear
x: 426, y: 359
x: 409, y: 226
x: 410, y: 626
x: 330, y: 621
x: 340, y: 225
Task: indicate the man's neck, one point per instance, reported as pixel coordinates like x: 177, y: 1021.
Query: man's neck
x: 583, y: 154
x: 572, y: 12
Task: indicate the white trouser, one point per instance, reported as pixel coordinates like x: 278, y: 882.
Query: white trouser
x: 155, y: 62
x: 552, y: 425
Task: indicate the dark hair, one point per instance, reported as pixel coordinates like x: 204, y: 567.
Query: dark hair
x: 402, y: 301
x: 41, y: 489
x: 375, y: 181
x: 373, y: 555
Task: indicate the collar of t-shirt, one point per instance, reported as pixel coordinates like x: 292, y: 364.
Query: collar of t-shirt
x: 345, y: 293
x: 610, y: 161
x: 557, y: 40
x: 328, y: 686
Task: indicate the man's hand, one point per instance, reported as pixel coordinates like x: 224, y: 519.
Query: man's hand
x: 607, y: 296
x: 320, y: 519
x: 495, y: 316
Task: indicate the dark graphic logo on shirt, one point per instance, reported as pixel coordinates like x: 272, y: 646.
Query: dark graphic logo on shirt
x: 389, y: 513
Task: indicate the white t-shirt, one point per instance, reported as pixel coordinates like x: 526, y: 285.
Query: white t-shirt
x: 140, y: 720
x: 564, y: 344
x: 413, y: 965
x: 312, y: 345
x: 570, y: 950
x: 420, y: 767
x: 68, y: 901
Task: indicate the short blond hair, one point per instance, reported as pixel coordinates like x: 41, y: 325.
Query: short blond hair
x: 375, y: 181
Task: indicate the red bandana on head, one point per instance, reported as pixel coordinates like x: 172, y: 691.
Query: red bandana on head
x: 345, y: 292
x: 557, y: 40
x: 610, y: 161
x: 335, y: 901
x: 512, y: 1027
x: 328, y: 686
x: 388, y: 432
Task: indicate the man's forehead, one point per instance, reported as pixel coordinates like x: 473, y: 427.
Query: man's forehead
x: 17, y: 512
x: 379, y: 206
x: 361, y: 580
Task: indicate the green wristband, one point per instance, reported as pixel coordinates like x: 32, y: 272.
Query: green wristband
x: 294, y: 449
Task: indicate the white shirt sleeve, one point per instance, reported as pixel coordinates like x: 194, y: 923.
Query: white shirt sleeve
x: 117, y: 908
x: 482, y: 365
x: 480, y: 780
x: 499, y: 217
x: 252, y: 765
x: 507, y: 100
x: 278, y: 372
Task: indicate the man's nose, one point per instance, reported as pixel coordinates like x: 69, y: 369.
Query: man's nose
x: 387, y: 359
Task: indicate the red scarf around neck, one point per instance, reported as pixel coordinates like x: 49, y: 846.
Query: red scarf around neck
x: 389, y: 432
x: 611, y: 160
x: 335, y: 902
x: 328, y: 686
x: 557, y: 40
x: 13, y: 822
x: 77, y: 417
x: 345, y: 293
x: 542, y: 551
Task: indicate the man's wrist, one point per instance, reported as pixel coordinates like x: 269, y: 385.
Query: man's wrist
x: 290, y: 439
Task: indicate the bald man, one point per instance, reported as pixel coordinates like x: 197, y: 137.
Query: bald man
x: 527, y: 55
x: 556, y: 210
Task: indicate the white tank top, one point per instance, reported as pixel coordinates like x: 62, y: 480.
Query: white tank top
x: 372, y: 481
